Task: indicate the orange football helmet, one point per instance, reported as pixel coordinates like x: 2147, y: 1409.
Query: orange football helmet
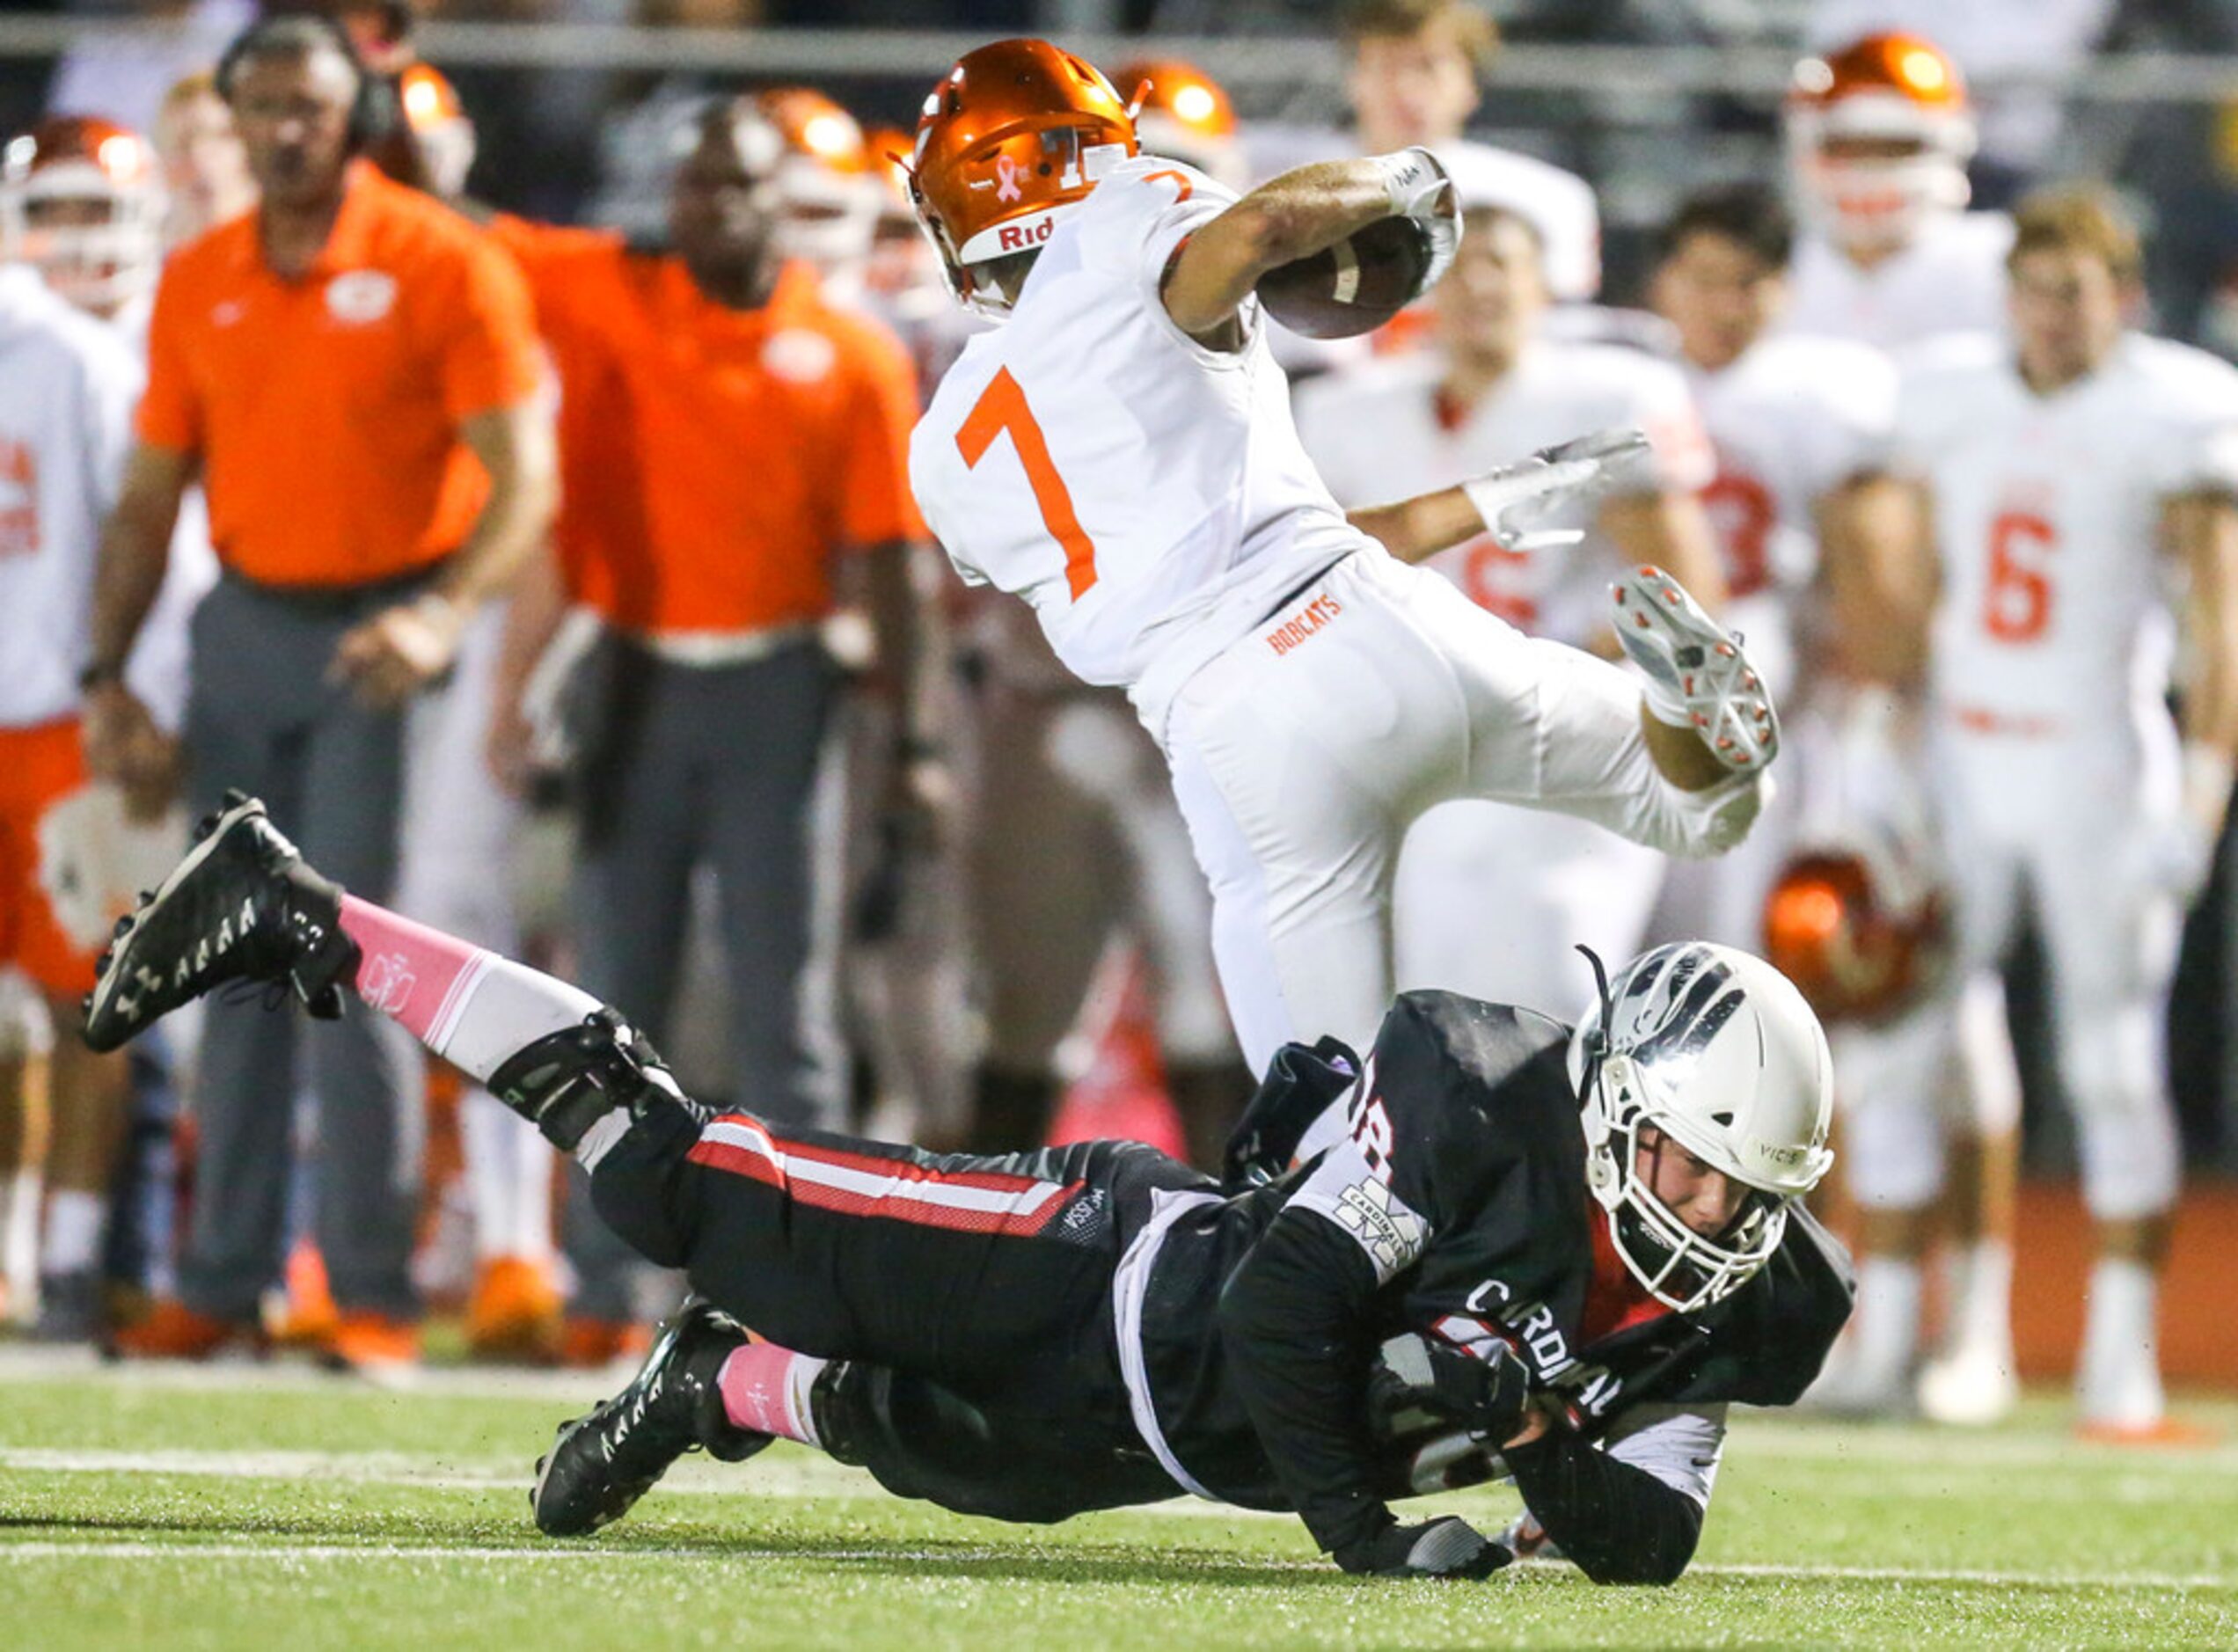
x: 1879, y: 135
x: 1856, y: 950
x: 82, y: 200
x: 827, y: 189
x: 1182, y: 113
x: 439, y: 127
x: 1011, y: 141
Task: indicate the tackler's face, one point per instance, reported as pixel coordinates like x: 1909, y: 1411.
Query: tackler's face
x: 1703, y: 1197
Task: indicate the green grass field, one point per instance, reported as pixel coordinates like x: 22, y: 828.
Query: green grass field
x: 271, y: 1508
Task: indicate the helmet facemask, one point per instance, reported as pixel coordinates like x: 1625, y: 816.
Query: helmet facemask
x: 1628, y: 1083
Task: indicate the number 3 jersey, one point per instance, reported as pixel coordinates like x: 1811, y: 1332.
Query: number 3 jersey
x: 2055, y: 615
x: 1147, y: 495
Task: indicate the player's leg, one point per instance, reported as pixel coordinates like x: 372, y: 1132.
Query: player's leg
x: 778, y: 883
x: 370, y: 1080
x: 1042, y: 906
x: 2111, y: 939
x: 1298, y: 757
x: 1974, y: 1379
x: 971, y: 1270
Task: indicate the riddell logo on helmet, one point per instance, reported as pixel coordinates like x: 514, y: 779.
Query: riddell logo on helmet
x: 1017, y: 237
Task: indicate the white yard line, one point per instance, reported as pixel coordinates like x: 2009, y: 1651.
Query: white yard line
x: 292, y: 1554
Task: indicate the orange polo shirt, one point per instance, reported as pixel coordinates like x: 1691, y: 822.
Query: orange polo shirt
x: 325, y: 410
x: 714, y: 461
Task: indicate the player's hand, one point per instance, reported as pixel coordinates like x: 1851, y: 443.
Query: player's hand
x: 1571, y: 473
x: 2174, y: 858
x: 124, y: 745
x: 1422, y: 190
x: 399, y: 651
x: 1421, y: 1382
x: 1447, y: 1547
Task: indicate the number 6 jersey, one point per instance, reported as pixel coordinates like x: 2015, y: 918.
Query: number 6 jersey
x: 2055, y: 612
x: 1147, y: 495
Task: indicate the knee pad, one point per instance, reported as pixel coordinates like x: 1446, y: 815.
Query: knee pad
x: 566, y: 1082
x: 2125, y: 1123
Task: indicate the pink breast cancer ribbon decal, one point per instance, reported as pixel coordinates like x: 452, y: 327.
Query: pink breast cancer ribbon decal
x: 1006, y: 171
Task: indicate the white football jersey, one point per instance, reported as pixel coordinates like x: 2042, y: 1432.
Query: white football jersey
x: 1381, y: 434
x: 1949, y: 280
x: 1146, y: 495
x: 1790, y: 420
x: 68, y: 386
x: 2055, y: 612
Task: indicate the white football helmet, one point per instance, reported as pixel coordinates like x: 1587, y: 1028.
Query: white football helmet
x: 1716, y: 1050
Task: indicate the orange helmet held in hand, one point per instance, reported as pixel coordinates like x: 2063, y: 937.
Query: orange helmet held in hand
x: 1880, y: 133
x: 1182, y: 113
x: 1009, y: 143
x: 1852, y: 945
x: 81, y: 200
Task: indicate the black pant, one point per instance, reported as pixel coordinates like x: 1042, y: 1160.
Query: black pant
x: 989, y: 1276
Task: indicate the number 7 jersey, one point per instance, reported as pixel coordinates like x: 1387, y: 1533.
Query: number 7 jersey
x: 2055, y: 609
x: 1148, y: 496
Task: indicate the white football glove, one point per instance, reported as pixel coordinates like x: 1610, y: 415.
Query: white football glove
x: 1568, y: 473
x: 1419, y: 188
x: 1698, y: 675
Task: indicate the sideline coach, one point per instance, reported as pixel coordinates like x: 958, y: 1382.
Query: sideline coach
x: 351, y: 371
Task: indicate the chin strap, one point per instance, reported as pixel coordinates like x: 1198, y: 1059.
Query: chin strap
x: 1602, y: 1175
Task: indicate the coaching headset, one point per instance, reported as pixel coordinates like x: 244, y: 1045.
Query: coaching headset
x: 373, y: 110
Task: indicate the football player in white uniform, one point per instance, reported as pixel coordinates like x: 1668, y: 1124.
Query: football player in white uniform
x: 1878, y: 137
x: 2068, y: 485
x: 83, y: 203
x: 1793, y: 420
x: 1492, y: 386
x: 1879, y: 134
x: 1121, y: 454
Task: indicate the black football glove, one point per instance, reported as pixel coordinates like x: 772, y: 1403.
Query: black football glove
x: 1447, y: 1547
x: 1419, y: 1383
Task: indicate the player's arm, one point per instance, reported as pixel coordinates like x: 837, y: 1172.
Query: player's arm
x: 122, y: 743
x: 1293, y: 217
x: 1630, y: 1510
x: 1503, y: 501
x: 1877, y: 544
x: 2201, y: 530
x: 400, y: 649
x: 1416, y: 530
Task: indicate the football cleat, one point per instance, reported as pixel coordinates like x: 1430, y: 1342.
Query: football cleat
x: 601, y: 1463
x: 1698, y: 674
x: 1972, y: 1388
x: 242, y: 906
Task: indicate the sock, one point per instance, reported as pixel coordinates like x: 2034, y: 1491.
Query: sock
x: 20, y: 1234
x: 471, y: 1007
x: 508, y: 1178
x: 1888, y: 1320
x: 766, y: 1388
x: 71, y: 1243
x: 1981, y: 1319
x: 2118, y: 1380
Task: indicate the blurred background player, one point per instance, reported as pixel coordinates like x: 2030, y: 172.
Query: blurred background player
x: 354, y: 553
x: 84, y: 201
x: 1182, y: 113
x: 205, y: 169
x: 1793, y: 421
x: 2063, y: 486
x: 1879, y: 134
x: 1490, y: 387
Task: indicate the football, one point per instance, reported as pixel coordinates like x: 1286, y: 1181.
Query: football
x: 1351, y: 287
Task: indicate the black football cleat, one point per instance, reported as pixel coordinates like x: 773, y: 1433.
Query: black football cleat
x: 242, y: 906
x: 603, y: 1462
